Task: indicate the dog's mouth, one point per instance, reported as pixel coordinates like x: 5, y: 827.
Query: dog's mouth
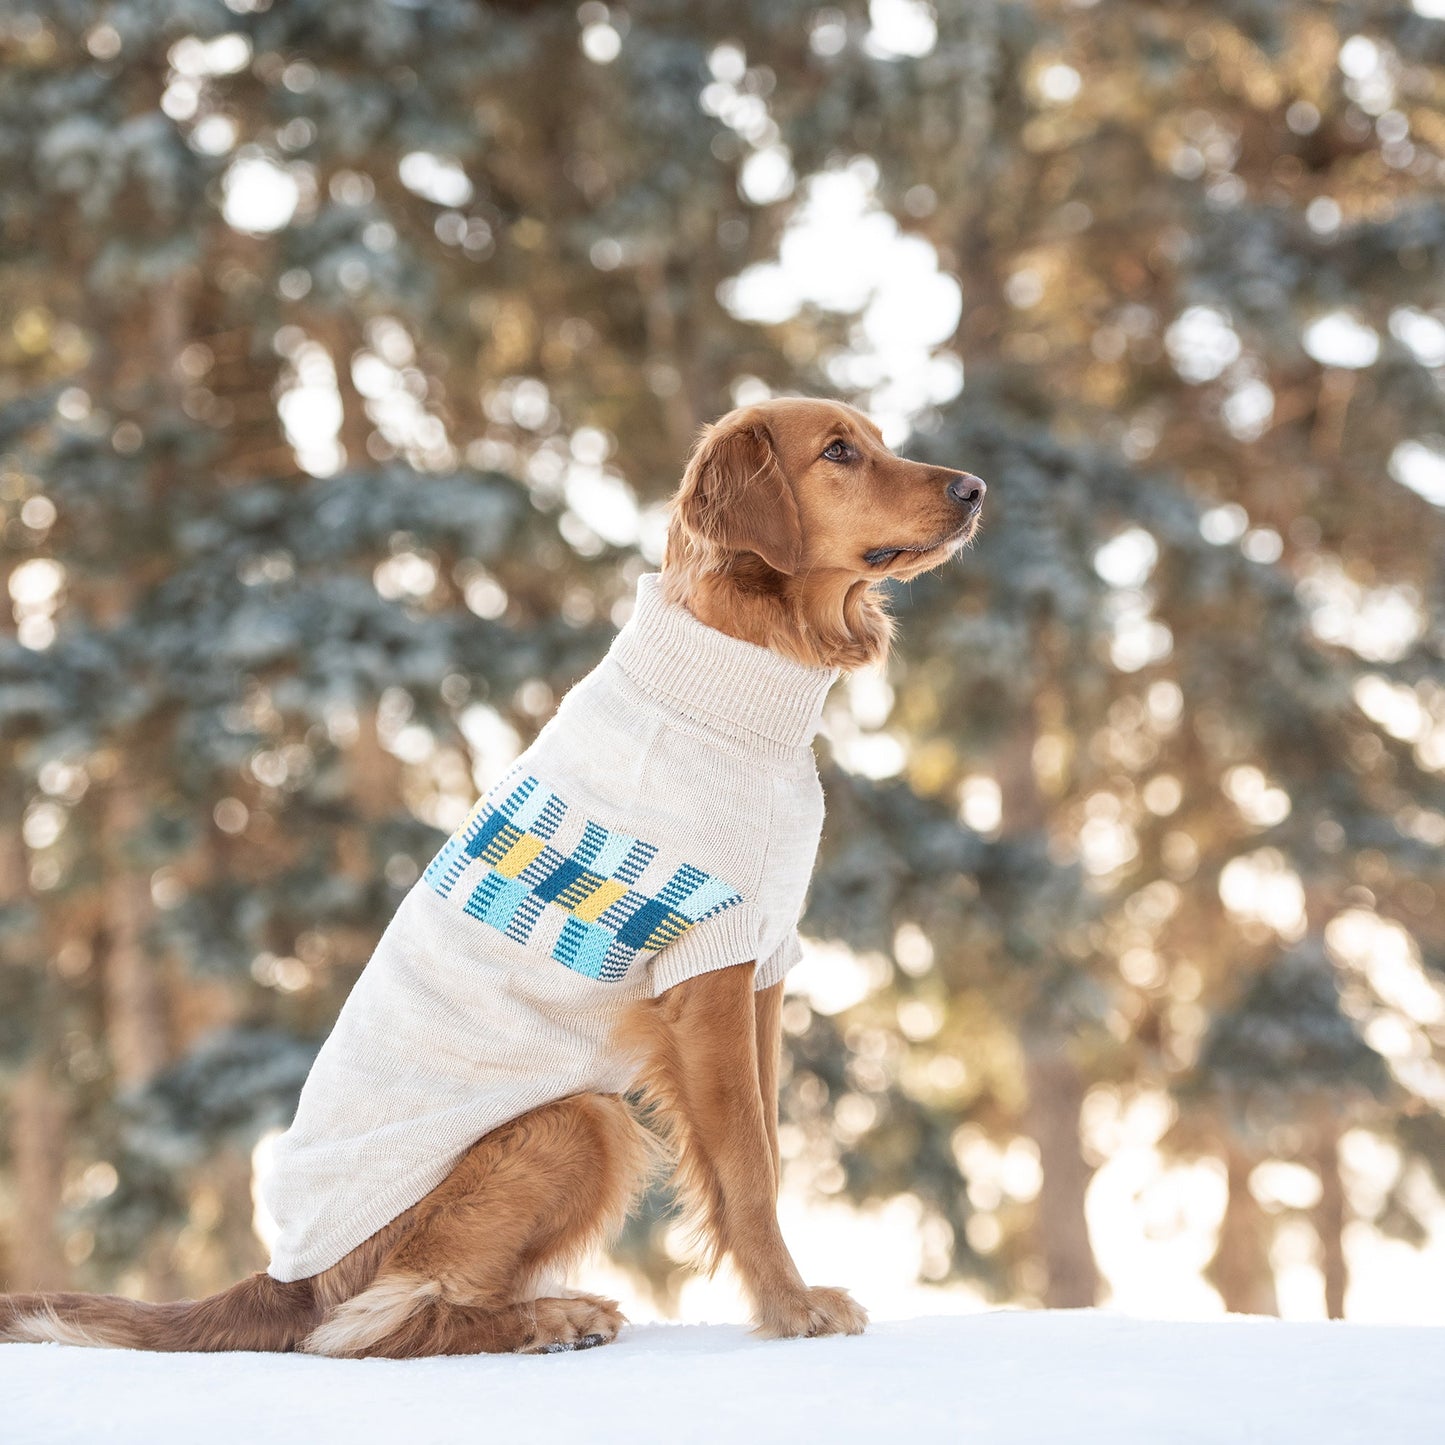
x: 886, y: 556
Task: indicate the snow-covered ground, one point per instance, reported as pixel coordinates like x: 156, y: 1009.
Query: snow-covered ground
x: 1001, y: 1377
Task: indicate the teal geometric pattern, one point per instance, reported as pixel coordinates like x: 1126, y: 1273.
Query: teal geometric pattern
x: 609, y: 919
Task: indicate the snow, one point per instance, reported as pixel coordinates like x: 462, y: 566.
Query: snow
x: 1001, y: 1377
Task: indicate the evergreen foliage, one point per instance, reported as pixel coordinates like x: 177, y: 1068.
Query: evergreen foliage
x: 347, y: 353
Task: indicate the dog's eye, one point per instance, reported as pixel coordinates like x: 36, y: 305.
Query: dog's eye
x: 836, y: 451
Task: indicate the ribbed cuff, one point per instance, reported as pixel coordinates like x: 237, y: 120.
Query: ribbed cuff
x: 731, y: 937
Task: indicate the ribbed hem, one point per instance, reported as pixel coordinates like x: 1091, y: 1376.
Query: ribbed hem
x: 731, y: 937
x: 288, y: 1265
x: 774, y: 968
x: 730, y: 684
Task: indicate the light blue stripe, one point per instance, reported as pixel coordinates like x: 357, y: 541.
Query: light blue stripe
x: 495, y: 899
x: 531, y: 808
x: 704, y: 898
x: 612, y: 852
x: 582, y: 947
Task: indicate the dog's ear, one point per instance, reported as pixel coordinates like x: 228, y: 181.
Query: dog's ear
x: 735, y: 496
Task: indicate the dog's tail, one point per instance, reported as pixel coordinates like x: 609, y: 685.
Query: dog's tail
x: 260, y: 1313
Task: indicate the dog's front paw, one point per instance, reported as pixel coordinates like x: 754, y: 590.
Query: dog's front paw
x: 809, y: 1312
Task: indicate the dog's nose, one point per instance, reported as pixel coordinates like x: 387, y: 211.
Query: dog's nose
x: 967, y: 490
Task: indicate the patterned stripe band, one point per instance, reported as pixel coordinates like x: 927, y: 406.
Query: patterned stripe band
x: 609, y: 920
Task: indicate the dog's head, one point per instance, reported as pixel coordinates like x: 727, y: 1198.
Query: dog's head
x: 799, y: 502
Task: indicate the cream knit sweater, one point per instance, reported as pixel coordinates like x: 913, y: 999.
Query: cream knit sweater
x: 663, y: 824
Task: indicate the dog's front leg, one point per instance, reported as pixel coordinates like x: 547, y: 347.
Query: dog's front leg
x: 701, y: 1045
x: 768, y: 1007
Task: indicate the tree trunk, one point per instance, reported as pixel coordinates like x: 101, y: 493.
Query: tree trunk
x: 1330, y: 1215
x: 660, y: 318
x: 36, y: 1107
x: 1055, y: 1084
x: 37, y: 1148
x: 134, y: 995
x: 1056, y: 1096
x: 1241, y: 1270
x: 374, y: 775
x: 342, y: 344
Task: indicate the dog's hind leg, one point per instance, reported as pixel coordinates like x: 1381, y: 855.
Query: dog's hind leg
x: 523, y: 1205
x: 437, y: 1327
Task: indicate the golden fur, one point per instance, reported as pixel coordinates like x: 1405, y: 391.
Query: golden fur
x: 770, y: 540
x: 789, y: 515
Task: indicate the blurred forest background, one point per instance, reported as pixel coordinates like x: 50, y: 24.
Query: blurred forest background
x: 348, y: 353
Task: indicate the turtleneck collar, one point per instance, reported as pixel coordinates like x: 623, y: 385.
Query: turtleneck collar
x: 732, y: 685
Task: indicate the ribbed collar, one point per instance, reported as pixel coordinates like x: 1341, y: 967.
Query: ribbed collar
x: 729, y: 684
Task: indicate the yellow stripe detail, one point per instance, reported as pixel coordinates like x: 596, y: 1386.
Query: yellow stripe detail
x: 519, y: 855
x: 576, y: 891
x: 672, y: 927
x: 497, y: 848
x: 602, y: 898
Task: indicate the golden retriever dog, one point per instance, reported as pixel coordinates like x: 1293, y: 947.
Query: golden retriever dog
x: 789, y: 516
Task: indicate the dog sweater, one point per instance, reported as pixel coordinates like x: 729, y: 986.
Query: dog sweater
x: 664, y: 823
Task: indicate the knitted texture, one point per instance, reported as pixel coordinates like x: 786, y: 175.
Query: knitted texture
x: 663, y: 824
x: 596, y: 881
